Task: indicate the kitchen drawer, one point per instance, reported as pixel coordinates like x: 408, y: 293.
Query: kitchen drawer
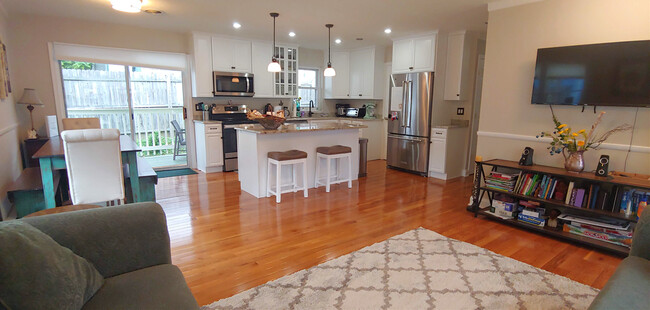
x: 212, y: 129
x: 438, y: 133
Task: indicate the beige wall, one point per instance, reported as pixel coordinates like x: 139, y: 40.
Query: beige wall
x: 514, y: 35
x: 29, y: 59
x: 10, y: 163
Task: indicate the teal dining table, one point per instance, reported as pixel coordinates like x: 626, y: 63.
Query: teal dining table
x: 51, y: 157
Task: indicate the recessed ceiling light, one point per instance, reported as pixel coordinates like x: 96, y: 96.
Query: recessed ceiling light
x: 236, y: 25
x: 153, y: 12
x: 292, y: 34
x: 388, y: 30
x: 337, y: 41
x: 129, y: 6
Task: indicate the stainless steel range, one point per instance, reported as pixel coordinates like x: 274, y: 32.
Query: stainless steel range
x: 230, y: 116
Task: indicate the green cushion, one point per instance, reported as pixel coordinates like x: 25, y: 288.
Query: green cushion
x: 628, y: 288
x: 38, y: 273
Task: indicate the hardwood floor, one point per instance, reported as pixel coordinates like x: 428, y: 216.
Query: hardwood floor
x: 226, y: 241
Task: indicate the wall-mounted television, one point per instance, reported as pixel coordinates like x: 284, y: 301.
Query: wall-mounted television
x: 607, y: 74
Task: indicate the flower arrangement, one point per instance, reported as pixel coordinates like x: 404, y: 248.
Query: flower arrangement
x: 565, y: 139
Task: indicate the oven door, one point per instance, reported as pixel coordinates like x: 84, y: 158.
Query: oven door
x: 233, y: 84
x: 229, y: 148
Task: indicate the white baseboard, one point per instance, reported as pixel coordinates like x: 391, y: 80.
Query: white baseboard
x: 437, y: 175
x: 212, y: 169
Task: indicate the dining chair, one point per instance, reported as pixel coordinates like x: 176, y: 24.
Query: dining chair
x: 94, y: 163
x: 81, y: 123
x: 179, y: 139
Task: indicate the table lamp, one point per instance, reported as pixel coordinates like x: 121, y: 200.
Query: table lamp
x: 30, y: 98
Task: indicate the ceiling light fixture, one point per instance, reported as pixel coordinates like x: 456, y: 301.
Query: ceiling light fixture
x: 329, y: 71
x: 292, y: 34
x: 236, y: 25
x: 388, y: 30
x: 128, y: 6
x: 337, y: 41
x: 274, y: 66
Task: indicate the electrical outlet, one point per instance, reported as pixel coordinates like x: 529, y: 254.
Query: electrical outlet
x: 460, y: 111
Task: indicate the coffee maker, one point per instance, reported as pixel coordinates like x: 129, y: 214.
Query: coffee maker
x: 342, y: 109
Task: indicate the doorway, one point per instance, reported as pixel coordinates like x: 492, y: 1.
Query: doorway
x: 143, y: 103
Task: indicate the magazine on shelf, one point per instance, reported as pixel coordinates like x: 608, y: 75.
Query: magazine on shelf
x: 604, y: 223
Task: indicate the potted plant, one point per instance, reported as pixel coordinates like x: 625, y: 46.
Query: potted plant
x: 572, y: 144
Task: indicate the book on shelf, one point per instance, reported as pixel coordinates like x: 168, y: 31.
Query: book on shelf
x: 531, y: 220
x: 569, y: 194
x: 615, y: 224
x: 613, y: 238
x: 501, y: 181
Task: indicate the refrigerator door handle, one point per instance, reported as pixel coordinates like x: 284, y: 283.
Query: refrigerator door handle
x: 404, y: 102
x: 414, y: 139
x: 410, y: 102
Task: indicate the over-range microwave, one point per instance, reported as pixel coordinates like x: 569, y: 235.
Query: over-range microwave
x: 233, y: 84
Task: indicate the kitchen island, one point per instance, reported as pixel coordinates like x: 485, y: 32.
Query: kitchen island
x: 254, y: 143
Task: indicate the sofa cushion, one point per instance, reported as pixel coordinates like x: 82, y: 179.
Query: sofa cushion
x: 628, y: 288
x: 38, y: 273
x: 157, y: 287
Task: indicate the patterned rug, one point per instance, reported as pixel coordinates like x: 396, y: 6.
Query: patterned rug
x: 419, y: 269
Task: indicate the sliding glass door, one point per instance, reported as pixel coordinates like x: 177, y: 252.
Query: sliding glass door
x: 144, y: 103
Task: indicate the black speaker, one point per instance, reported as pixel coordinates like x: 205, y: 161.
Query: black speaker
x: 527, y: 157
x: 603, y: 166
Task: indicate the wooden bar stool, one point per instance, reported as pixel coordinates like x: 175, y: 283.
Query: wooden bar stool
x: 335, y: 153
x: 279, y: 159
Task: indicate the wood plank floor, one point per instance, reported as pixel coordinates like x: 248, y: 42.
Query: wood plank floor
x: 226, y: 241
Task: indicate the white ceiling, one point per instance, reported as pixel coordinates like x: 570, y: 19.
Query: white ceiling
x: 351, y: 18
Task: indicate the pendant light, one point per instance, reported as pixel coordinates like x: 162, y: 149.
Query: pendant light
x: 329, y: 71
x: 274, y: 66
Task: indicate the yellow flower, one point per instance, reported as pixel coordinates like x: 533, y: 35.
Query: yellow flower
x: 581, y: 131
x: 561, y: 126
x: 581, y: 143
x: 575, y: 134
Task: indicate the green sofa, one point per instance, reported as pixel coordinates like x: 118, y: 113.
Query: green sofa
x: 629, y: 286
x: 129, y: 246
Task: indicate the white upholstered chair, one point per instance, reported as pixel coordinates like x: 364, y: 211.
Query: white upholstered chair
x: 94, y: 164
x: 81, y: 123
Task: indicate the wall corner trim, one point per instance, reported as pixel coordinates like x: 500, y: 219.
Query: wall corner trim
x: 504, y: 4
x: 605, y: 146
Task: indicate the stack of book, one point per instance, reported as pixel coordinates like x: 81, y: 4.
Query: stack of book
x: 503, y: 209
x: 501, y: 181
x: 532, y: 213
x: 610, y: 230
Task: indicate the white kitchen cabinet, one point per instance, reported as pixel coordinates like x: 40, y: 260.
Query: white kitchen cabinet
x: 231, y: 55
x: 285, y: 83
x: 263, y: 79
x: 209, y: 146
x: 338, y: 86
x: 202, y: 65
x: 359, y: 75
x: 415, y: 54
x: 447, y: 152
x: 456, y: 75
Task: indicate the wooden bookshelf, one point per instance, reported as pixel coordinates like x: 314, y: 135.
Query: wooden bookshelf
x: 480, y: 190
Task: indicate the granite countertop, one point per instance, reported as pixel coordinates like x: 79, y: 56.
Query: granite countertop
x: 207, y: 121
x: 300, y: 128
x: 332, y: 118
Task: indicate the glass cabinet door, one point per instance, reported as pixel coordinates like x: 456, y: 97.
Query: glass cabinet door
x: 286, y: 81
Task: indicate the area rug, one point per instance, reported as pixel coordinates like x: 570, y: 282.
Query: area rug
x: 419, y: 269
x: 175, y: 172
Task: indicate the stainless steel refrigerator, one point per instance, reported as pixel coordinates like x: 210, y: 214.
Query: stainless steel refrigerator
x: 409, y: 125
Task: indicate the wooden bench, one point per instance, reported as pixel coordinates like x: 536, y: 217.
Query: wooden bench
x: 26, y: 193
x: 148, y: 181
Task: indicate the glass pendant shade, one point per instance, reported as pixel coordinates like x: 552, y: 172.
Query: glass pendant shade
x: 274, y: 66
x: 329, y: 71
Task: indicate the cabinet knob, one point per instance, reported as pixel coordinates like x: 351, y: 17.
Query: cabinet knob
x: 457, y: 95
x: 410, y: 68
x: 359, y: 95
x: 348, y: 95
x: 232, y: 68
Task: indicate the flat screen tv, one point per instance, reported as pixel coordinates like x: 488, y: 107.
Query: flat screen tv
x: 608, y: 74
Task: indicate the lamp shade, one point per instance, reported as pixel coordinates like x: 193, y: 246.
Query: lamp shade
x: 329, y: 71
x: 29, y: 97
x: 274, y: 66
